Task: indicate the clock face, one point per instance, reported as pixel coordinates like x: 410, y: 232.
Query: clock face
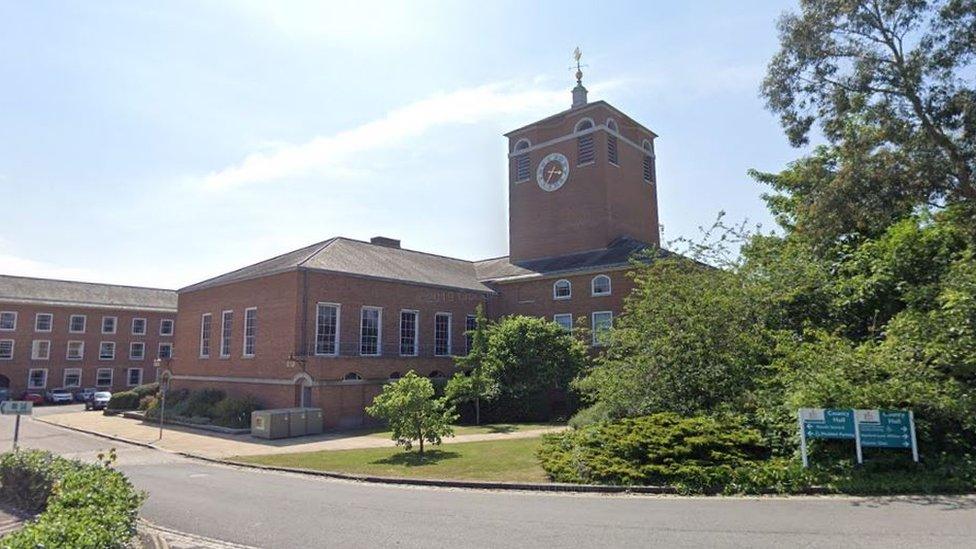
x: 552, y: 172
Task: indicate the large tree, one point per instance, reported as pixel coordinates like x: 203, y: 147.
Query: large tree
x: 475, y: 382
x: 410, y: 409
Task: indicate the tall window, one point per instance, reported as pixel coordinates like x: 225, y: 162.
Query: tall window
x: 522, y: 167
x: 585, y: 152
x: 442, y: 334
x: 76, y: 350
x: 601, y: 285
x: 226, y: 329
x: 612, y: 142
x: 106, y: 350
x: 369, y: 331
x: 408, y: 333
x: 166, y: 326
x: 43, y: 322
x: 108, y: 324
x: 41, y: 349
x: 72, y: 378
x: 37, y: 378
x: 137, y: 350
x: 648, y: 162
x: 6, y: 349
x: 250, y: 330
x: 602, y: 322
x: 327, y: 329
x: 103, y: 377
x: 139, y: 326
x: 76, y: 324
x: 8, y: 321
x: 133, y: 377
x: 205, y: 321
x: 564, y: 320
x: 165, y: 350
x: 562, y: 289
x: 470, y: 325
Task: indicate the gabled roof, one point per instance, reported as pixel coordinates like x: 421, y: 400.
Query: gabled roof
x: 358, y: 258
x: 66, y: 293
x: 578, y: 110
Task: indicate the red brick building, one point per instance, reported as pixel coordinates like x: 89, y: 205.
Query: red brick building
x: 329, y: 324
x: 73, y: 335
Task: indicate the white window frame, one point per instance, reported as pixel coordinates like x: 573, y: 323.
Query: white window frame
x: 450, y: 335
x: 37, y: 356
x: 30, y: 377
x: 128, y: 377
x: 379, y: 329
x: 64, y: 378
x: 416, y: 332
x: 145, y: 326
x: 115, y: 324
x: 593, y: 330
x: 468, y: 336
x: 12, y: 328
x: 225, y: 338
x: 50, y: 322
x: 159, y: 349
x: 67, y: 350
x: 253, y: 337
x: 111, y: 377
x: 556, y: 317
x: 172, y: 329
x: 84, y: 324
x: 593, y: 286
x: 338, y: 328
x: 132, y: 345
x: 556, y: 295
x: 12, y: 345
x: 206, y: 329
x: 100, y: 344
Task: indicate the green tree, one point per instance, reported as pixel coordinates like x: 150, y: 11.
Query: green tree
x: 476, y: 382
x: 412, y: 413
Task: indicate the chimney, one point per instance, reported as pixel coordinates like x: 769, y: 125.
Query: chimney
x: 385, y: 242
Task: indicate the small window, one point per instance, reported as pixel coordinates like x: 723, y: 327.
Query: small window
x: 583, y: 125
x: 108, y: 324
x: 562, y: 289
x: 72, y: 378
x: 6, y: 349
x: 165, y: 350
x: 442, y: 334
x: 436, y: 374
x: 41, y: 349
x: 408, y: 333
x: 395, y: 375
x: 612, y: 142
x: 226, y: 329
x: 585, y: 152
x: 37, y: 378
x: 103, y: 377
x: 106, y: 350
x: 133, y: 377
x: 601, y: 285
x: 370, y: 331
x: 648, y: 167
x: 43, y: 322
x: 612, y: 125
x: 470, y: 325
x: 205, y: 326
x: 565, y: 321
x: 76, y: 324
x: 602, y: 322
x: 327, y: 329
x: 250, y: 331
x: 166, y: 327
x: 139, y: 326
x: 76, y: 350
x: 8, y: 321
x: 352, y: 376
x: 522, y: 161
x: 137, y: 350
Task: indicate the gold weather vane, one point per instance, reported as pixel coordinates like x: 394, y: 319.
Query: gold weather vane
x: 577, y: 55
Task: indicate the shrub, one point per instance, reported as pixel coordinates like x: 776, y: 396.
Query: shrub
x: 696, y: 454
x: 126, y: 400
x: 84, y: 506
x: 146, y: 389
x: 202, y: 402
x: 147, y: 402
x: 235, y: 412
x: 588, y: 416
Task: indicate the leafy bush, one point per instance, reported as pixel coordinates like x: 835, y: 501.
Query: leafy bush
x: 84, y: 506
x: 201, y: 403
x: 146, y: 402
x: 205, y: 407
x: 126, y: 400
x: 588, y: 416
x: 694, y: 453
x: 235, y: 412
x: 146, y: 389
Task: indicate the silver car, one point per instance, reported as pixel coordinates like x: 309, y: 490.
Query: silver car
x: 99, y: 401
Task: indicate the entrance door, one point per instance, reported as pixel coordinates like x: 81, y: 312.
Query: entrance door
x: 306, y: 397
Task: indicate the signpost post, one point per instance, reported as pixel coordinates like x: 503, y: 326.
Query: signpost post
x: 16, y: 408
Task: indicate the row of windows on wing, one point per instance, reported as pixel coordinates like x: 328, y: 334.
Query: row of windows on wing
x: 370, y: 340
x: 73, y: 378
x: 600, y: 323
x: 250, y: 333
x: 75, y: 350
x: 77, y: 324
x: 599, y: 286
x: 586, y: 151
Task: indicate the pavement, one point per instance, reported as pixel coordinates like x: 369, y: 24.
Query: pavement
x: 216, y: 445
x: 209, y: 505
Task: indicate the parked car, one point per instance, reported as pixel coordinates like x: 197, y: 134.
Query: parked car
x: 85, y: 394
x: 36, y: 398
x: 59, y: 396
x: 99, y: 401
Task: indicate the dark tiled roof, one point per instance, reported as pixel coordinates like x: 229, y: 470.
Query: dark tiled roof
x: 84, y: 294
x: 618, y: 254
x: 355, y: 257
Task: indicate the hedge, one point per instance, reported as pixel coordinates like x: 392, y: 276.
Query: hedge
x: 125, y: 400
x: 81, y: 505
x: 206, y: 407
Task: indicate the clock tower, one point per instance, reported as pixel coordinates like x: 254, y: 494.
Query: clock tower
x: 579, y: 180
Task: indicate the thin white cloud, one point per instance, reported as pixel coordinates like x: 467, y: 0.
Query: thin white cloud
x: 19, y: 266
x: 332, y: 153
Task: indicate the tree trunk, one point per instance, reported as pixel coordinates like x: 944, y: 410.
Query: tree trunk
x: 477, y: 411
x: 420, y: 436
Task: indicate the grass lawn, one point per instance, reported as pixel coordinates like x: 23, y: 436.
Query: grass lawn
x: 493, y: 428
x: 512, y: 460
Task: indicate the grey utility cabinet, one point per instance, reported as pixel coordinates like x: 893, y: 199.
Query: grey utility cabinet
x: 271, y: 424
x: 296, y: 424
x: 313, y: 421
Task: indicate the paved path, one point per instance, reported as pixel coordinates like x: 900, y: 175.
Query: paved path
x: 215, y: 445
x: 266, y: 509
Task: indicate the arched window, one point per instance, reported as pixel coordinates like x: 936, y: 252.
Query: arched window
x: 611, y: 124
x: 352, y: 376
x: 562, y: 289
x: 522, y: 165
x: 436, y: 374
x: 395, y: 375
x: 600, y: 285
x: 612, y: 142
x: 648, y: 161
x: 584, y: 143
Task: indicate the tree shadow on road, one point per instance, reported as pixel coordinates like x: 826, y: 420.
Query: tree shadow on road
x: 946, y: 502
x: 415, y: 459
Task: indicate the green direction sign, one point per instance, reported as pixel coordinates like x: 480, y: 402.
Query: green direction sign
x: 827, y: 423
x: 16, y: 407
x: 885, y: 429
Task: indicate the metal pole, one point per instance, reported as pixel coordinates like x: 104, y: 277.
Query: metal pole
x: 857, y: 438
x: 17, y: 431
x: 162, y: 409
x: 803, y: 439
x: 911, y: 425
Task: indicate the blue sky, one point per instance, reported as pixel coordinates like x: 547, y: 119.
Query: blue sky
x: 160, y: 143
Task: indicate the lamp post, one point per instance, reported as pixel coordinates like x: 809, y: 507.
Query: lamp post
x: 163, y: 377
